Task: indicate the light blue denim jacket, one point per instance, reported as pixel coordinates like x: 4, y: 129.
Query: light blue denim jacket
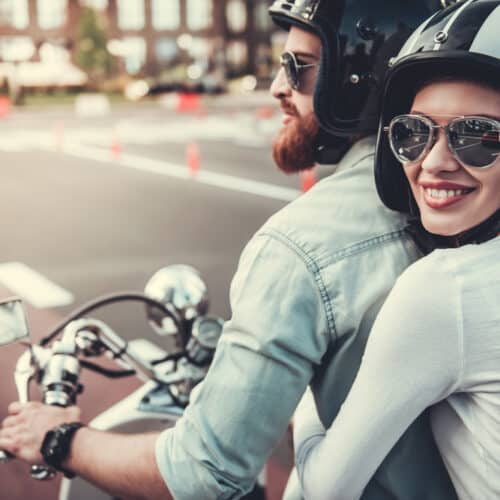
x: 305, y: 281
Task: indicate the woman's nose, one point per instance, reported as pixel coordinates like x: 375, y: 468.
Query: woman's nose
x: 280, y: 87
x: 440, y: 158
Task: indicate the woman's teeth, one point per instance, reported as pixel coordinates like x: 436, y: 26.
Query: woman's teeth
x: 445, y: 193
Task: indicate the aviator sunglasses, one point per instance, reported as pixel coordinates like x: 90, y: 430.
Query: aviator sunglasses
x: 288, y: 61
x: 474, y: 141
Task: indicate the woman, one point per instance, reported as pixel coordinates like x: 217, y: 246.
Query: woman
x: 436, y: 340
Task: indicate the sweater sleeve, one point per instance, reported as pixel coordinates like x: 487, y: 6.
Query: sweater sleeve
x: 413, y: 359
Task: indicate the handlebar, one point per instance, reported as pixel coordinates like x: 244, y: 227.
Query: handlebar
x: 57, y: 367
x: 166, y: 309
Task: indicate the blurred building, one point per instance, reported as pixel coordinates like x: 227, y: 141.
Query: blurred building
x: 225, y: 38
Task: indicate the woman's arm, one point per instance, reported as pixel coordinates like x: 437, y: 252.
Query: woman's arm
x: 306, y: 421
x: 413, y: 359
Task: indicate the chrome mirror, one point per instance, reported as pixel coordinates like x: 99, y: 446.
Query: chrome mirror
x: 182, y: 287
x: 13, y: 322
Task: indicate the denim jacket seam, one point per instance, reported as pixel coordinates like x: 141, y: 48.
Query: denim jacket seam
x: 315, y: 270
x: 364, y: 245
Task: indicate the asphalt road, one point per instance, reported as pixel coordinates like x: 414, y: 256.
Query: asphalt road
x: 98, y: 204
x: 94, y: 222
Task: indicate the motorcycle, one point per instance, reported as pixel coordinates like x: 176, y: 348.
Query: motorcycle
x: 176, y: 300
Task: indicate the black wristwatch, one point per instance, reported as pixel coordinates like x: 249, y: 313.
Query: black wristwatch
x: 57, y: 444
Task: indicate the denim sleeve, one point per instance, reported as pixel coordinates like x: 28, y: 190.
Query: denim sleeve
x: 262, y: 366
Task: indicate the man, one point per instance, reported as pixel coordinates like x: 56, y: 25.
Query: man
x: 307, y: 289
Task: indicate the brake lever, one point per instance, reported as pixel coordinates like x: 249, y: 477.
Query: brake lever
x: 25, y: 371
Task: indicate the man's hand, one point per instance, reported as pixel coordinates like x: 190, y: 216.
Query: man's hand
x: 121, y: 464
x: 22, y: 432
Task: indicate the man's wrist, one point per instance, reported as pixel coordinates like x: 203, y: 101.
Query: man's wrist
x: 56, y: 446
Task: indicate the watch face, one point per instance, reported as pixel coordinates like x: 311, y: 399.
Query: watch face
x: 51, y: 447
x: 56, y: 444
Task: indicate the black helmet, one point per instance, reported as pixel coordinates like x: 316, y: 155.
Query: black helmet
x: 459, y: 42
x: 358, y: 37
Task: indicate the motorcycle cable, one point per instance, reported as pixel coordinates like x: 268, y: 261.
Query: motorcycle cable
x: 105, y: 371
x: 128, y: 373
x: 111, y: 299
x: 176, y: 356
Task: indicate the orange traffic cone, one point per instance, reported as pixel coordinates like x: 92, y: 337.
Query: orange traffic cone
x: 265, y: 112
x: 307, y: 179
x: 5, y: 106
x: 116, y: 146
x: 193, y: 158
x: 188, y: 102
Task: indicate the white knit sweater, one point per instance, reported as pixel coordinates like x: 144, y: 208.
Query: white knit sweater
x: 436, y: 340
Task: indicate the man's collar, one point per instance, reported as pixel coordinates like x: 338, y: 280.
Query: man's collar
x: 358, y: 151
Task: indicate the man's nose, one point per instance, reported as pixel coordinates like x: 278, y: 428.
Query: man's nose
x: 440, y: 158
x: 280, y: 87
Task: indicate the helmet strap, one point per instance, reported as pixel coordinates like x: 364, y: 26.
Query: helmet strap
x: 330, y: 149
x: 427, y: 242
x: 414, y: 211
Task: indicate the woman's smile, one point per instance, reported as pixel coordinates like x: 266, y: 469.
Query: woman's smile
x: 441, y: 195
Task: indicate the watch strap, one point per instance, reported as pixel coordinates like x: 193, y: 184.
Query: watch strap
x: 56, y: 446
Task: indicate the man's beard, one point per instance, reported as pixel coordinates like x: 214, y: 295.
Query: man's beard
x: 294, y: 147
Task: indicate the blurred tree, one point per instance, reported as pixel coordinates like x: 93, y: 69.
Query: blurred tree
x: 91, y: 52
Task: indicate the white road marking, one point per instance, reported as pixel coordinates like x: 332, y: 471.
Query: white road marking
x: 32, y: 286
x: 145, y: 164
x: 94, y: 143
x: 243, y: 128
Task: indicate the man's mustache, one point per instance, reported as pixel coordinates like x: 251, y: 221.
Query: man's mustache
x: 289, y: 108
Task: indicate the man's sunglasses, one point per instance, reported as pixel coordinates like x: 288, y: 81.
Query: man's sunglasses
x: 474, y: 141
x: 288, y: 61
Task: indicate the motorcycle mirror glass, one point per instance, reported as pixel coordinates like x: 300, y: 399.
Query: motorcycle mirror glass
x: 181, y: 286
x: 13, y: 322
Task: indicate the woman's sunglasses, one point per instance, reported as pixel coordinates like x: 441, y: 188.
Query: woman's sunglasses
x: 289, y: 63
x: 474, y: 141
